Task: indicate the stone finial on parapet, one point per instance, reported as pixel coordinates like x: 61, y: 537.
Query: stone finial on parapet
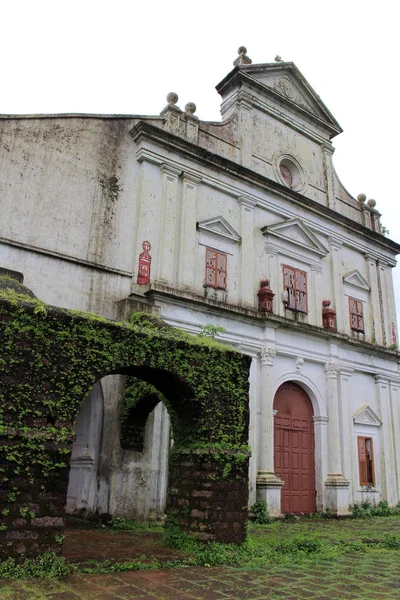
x: 172, y: 113
x: 242, y: 59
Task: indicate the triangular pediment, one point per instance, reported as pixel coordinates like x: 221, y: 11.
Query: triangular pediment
x: 286, y: 81
x: 219, y: 227
x: 357, y: 280
x: 366, y: 416
x: 295, y: 232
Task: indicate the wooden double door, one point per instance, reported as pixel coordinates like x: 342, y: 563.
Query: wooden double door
x: 294, y: 454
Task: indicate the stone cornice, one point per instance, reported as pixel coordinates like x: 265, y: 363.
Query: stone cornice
x: 144, y: 130
x: 190, y: 299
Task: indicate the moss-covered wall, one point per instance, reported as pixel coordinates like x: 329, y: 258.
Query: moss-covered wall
x: 50, y: 358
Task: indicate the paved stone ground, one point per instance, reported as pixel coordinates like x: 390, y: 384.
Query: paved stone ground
x: 372, y: 575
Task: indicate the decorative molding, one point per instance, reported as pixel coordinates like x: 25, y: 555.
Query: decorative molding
x: 220, y: 228
x: 357, y: 280
x: 170, y: 171
x: 247, y: 202
x: 366, y: 416
x: 267, y: 356
x: 322, y: 420
x: 189, y: 178
x: 295, y: 232
x: 332, y: 369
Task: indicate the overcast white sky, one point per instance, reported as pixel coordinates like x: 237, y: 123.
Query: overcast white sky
x: 125, y: 56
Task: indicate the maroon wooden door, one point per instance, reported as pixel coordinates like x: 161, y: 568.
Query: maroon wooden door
x: 294, y: 448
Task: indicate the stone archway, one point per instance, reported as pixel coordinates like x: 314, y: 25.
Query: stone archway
x: 51, y: 358
x: 294, y: 448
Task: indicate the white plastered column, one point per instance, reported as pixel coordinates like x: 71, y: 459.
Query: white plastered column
x: 387, y: 463
x: 327, y: 152
x: 247, y: 251
x: 268, y: 484
x: 168, y: 226
x: 336, y: 486
x: 375, y: 301
x: 383, y: 294
x: 313, y: 309
x: 273, y: 276
x: 348, y: 458
x: 394, y: 389
x: 337, y: 282
x: 187, y: 246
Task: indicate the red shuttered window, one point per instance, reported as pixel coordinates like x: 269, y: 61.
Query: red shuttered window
x: 366, y: 461
x: 216, y: 264
x: 295, y: 284
x: 356, y: 315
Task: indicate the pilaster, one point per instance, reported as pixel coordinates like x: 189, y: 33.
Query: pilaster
x: 376, y: 315
x: 187, y: 245
x: 383, y: 295
x: 247, y: 251
x: 394, y: 390
x: 313, y: 297
x: 268, y: 484
x: 337, y: 281
x: 336, y: 486
x: 387, y: 463
x: 168, y: 225
x: 327, y: 152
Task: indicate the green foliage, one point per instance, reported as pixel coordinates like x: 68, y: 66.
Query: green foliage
x: 48, y: 565
x: 300, y: 543
x: 261, y: 514
x: 391, y: 541
x: 211, y: 331
x: 50, y: 359
x: 129, y: 524
x: 364, y: 510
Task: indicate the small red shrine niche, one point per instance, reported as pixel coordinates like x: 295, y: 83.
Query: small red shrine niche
x: 265, y: 297
x: 144, y: 265
x: 328, y: 316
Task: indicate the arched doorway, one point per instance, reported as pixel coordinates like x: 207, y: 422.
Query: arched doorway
x: 294, y: 448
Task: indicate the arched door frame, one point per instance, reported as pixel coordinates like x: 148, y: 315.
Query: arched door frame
x: 320, y: 426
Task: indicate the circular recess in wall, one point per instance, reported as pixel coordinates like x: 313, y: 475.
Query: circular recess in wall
x: 289, y: 172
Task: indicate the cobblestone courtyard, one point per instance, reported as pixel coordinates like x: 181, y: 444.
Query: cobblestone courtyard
x: 370, y: 573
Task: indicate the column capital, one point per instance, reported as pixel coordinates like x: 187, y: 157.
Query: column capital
x: 381, y: 380
x: 334, y: 243
x: 332, y: 370
x: 170, y: 170
x: 247, y: 202
x: 372, y: 258
x: 267, y: 356
x: 328, y: 148
x: 189, y: 178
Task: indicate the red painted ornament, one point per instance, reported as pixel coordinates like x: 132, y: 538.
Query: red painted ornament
x: 265, y: 297
x: 143, y: 277
x: 328, y: 316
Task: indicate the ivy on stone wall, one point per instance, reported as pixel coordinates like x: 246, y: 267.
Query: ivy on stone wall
x: 50, y: 358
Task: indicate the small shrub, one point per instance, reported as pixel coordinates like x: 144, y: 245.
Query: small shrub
x: 48, y: 566
x: 261, y: 514
x: 300, y: 544
x: 391, y: 541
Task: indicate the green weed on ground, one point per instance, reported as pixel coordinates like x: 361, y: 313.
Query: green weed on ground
x: 300, y: 544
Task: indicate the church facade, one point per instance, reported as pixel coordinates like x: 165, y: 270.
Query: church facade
x: 243, y: 225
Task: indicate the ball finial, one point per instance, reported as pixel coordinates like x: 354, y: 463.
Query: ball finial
x: 190, y: 108
x: 361, y: 197
x: 242, y: 50
x: 172, y: 98
x: 371, y: 203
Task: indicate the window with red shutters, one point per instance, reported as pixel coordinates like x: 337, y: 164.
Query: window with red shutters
x: 216, y: 269
x: 366, y: 461
x: 356, y: 315
x: 295, y: 284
